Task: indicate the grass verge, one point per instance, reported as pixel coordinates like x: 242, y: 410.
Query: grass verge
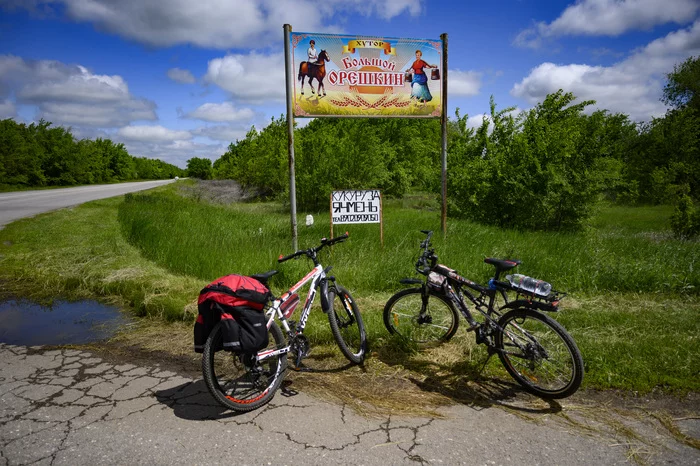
x: 153, y: 252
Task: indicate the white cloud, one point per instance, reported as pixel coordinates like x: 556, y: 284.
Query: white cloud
x: 181, y: 76
x: 252, y: 78
x: 225, y: 111
x: 71, y: 94
x: 175, y: 152
x: 153, y: 133
x: 463, y: 83
x: 218, y: 23
x: 477, y: 120
x: 386, y: 9
x: 7, y: 109
x: 82, y: 86
x: 228, y: 133
x: 98, y: 115
x: 610, y: 18
x: 632, y: 86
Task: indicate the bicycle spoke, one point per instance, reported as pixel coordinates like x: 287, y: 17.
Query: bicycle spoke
x: 539, y: 353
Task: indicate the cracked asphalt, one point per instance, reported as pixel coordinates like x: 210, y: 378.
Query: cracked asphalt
x: 68, y: 406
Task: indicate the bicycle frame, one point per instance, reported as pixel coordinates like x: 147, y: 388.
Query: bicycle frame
x: 317, y: 277
x: 453, y: 290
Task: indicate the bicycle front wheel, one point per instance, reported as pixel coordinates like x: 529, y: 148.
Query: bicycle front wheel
x: 239, y: 382
x: 346, y: 324
x: 539, y: 353
x: 424, y: 320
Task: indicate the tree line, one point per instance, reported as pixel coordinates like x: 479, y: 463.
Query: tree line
x: 540, y: 169
x: 38, y: 155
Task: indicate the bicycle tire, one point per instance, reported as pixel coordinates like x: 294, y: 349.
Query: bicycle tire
x: 234, y: 385
x: 346, y: 324
x: 539, y: 353
x: 402, y: 317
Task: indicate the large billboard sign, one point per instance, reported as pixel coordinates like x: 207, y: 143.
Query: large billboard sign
x: 363, y: 76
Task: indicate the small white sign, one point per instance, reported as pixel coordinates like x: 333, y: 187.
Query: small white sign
x: 356, y: 206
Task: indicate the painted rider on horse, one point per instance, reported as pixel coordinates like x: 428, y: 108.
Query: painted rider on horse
x: 312, y: 53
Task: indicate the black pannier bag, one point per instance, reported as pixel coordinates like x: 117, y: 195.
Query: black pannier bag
x: 238, y: 302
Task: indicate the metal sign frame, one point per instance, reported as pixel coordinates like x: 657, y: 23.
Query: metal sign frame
x: 379, y: 46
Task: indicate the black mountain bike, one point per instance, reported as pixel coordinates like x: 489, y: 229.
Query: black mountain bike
x: 246, y: 382
x: 535, y: 349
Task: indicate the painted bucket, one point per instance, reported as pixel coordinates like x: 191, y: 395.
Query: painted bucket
x: 408, y: 77
x: 435, y: 74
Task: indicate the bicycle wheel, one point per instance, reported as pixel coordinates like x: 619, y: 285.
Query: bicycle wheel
x: 237, y: 382
x: 346, y: 324
x: 539, y: 353
x: 432, y: 323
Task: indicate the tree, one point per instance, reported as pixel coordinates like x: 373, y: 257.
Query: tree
x: 199, y: 168
x: 39, y: 155
x: 683, y: 87
x: 539, y: 169
x: 665, y: 158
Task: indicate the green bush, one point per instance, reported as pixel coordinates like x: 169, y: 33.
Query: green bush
x: 685, y: 221
x: 538, y: 170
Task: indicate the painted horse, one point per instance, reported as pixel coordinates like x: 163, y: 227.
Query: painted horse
x: 315, y: 71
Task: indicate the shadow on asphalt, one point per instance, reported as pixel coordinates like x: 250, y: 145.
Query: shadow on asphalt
x: 464, y: 382
x: 485, y: 392
x: 192, y: 401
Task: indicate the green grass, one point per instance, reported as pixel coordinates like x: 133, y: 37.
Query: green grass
x: 625, y: 250
x: 632, y: 305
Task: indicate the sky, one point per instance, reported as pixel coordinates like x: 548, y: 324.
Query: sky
x: 176, y: 79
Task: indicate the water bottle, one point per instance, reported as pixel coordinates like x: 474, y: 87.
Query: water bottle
x: 530, y: 285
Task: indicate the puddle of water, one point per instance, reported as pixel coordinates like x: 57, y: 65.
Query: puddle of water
x: 28, y: 324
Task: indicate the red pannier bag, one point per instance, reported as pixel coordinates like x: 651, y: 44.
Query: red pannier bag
x: 238, y: 303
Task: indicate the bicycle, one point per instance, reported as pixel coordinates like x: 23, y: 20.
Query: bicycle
x: 244, y: 382
x: 535, y: 349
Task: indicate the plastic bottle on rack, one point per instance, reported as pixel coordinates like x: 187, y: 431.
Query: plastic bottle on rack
x: 530, y: 285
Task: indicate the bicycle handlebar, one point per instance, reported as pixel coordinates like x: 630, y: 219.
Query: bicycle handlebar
x: 311, y: 252
x: 337, y: 239
x: 428, y: 254
x: 291, y: 256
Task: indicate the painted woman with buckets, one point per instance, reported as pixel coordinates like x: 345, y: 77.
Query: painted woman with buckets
x: 419, y: 84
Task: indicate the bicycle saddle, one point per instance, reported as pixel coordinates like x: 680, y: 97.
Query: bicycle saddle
x: 264, y: 277
x: 502, y: 264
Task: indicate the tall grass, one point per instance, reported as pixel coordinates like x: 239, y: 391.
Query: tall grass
x: 631, y: 285
x: 632, y: 307
x: 625, y: 249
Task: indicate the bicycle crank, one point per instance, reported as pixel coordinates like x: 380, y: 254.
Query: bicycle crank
x: 300, y: 348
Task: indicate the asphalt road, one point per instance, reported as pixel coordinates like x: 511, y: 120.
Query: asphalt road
x: 20, y: 204
x: 70, y: 407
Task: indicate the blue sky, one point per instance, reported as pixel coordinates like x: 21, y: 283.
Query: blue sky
x: 176, y: 79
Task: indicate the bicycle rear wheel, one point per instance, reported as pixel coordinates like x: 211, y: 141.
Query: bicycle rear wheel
x: 346, y: 324
x: 238, y: 382
x: 430, y: 321
x: 539, y: 353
